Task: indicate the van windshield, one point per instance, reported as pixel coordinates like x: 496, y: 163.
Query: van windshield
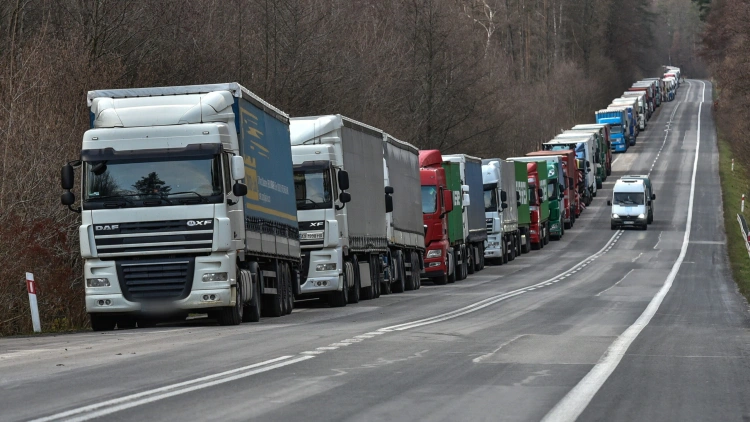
x: 629, y: 198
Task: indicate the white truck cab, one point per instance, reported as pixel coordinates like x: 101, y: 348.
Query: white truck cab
x: 629, y: 204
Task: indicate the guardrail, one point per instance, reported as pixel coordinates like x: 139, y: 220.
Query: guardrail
x: 745, y: 231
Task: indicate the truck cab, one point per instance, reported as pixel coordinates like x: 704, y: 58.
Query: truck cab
x: 629, y: 204
x: 603, y: 132
x: 437, y: 202
x: 538, y: 203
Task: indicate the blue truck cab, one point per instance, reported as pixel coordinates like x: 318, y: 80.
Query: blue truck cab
x: 617, y: 119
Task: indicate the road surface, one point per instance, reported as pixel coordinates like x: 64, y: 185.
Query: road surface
x: 603, y: 325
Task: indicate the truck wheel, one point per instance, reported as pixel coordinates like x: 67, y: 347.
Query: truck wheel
x: 126, y: 323
x: 375, y: 275
x: 387, y: 288
x: 400, y: 274
x: 410, y: 281
x: 252, y: 310
x: 101, y: 322
x: 232, y: 315
x: 546, y: 234
x: 339, y: 299
x: 470, y: 260
x: 451, y: 265
x: 513, y: 249
x: 355, y: 293
x: 273, y: 305
x: 598, y: 185
x: 289, y: 289
x: 464, y: 264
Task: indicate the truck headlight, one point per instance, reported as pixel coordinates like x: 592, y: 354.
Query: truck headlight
x: 97, y: 282
x: 615, y: 216
x: 214, y: 277
x: 434, y: 253
x: 325, y: 267
x: 641, y: 216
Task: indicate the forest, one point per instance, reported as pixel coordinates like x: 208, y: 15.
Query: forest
x: 483, y: 77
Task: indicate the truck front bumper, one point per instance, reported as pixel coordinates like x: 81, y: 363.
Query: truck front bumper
x: 326, y: 280
x: 200, y: 294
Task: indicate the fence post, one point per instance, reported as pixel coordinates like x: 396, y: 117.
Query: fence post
x: 31, y: 287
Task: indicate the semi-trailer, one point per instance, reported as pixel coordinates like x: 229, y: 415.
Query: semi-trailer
x: 643, y: 107
x: 571, y: 198
x: 501, y: 200
x: 443, y: 225
x: 338, y: 172
x: 404, y: 224
x: 598, y: 153
x: 632, y: 105
x: 629, y: 125
x: 585, y: 147
x: 616, y: 119
x: 551, y: 175
x: 581, y: 146
x: 603, y: 131
x: 187, y: 206
x: 474, y: 223
x: 539, y: 212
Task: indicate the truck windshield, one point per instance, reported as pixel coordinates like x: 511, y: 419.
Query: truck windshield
x: 490, y: 200
x: 166, y: 180
x: 429, y: 199
x: 552, y: 190
x: 532, y: 195
x: 629, y: 198
x: 313, y: 189
x: 616, y: 128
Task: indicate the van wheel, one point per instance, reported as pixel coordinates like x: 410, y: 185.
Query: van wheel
x: 613, y: 227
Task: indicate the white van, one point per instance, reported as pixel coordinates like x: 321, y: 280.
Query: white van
x: 629, y: 204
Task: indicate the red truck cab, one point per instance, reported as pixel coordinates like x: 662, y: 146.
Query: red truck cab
x: 535, y: 230
x: 437, y: 201
x: 570, y: 170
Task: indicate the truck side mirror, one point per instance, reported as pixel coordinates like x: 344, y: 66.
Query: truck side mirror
x: 504, y: 205
x: 466, y: 200
x: 518, y: 196
x: 345, y: 197
x: 540, y: 194
x: 67, y: 177
x: 465, y: 188
x: 388, y: 190
x: 343, y: 178
x: 68, y: 198
x: 239, y: 189
x: 238, y: 168
x: 388, y: 203
x: 503, y: 196
x: 649, y: 203
x: 653, y: 196
x: 448, y: 200
x: 609, y: 203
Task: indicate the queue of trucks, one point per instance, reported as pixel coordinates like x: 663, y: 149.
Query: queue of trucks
x: 207, y: 199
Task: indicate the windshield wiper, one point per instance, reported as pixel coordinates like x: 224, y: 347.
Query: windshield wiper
x: 304, y: 202
x: 125, y: 199
x: 200, y: 197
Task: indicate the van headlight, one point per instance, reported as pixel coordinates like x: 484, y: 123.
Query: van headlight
x: 641, y: 216
x: 434, y: 253
x: 615, y: 216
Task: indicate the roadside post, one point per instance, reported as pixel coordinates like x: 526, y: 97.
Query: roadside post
x: 742, y: 205
x: 31, y: 287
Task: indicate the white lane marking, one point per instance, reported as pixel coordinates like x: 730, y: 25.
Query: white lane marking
x: 577, y: 399
x: 115, y: 405
x: 487, y: 355
x: 324, y: 348
x: 342, y: 344
x: 618, y: 282
x: 312, y: 352
x: 636, y: 258
x: 498, y: 298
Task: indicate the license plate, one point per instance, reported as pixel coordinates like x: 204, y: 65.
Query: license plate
x: 627, y: 222
x: 156, y: 307
x: 311, y: 236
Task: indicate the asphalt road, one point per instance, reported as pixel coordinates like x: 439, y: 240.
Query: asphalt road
x: 603, y: 325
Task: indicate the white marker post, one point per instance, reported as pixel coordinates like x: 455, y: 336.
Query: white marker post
x: 733, y: 165
x: 31, y: 287
x: 742, y: 206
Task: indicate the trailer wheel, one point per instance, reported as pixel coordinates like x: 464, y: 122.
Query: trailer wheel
x: 462, y: 267
x: 101, y: 322
x: 274, y: 302
x: 470, y: 258
x: 339, y: 299
x: 420, y: 266
x: 513, y: 249
x: 450, y: 265
x: 284, y: 283
x: 375, y: 275
x: 289, y: 289
x: 399, y: 274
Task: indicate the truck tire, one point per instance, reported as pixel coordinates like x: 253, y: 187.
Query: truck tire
x: 355, y: 293
x: 339, y: 299
x: 411, y: 281
x: 289, y: 289
x: 599, y: 185
x: 232, y: 315
x: 126, y: 323
x: 546, y: 234
x: 527, y: 246
x: 451, y: 275
x: 513, y: 249
x: 375, y: 275
x: 464, y: 264
x: 470, y: 258
x: 420, y: 266
x: 100, y: 322
x: 366, y: 293
x: 400, y: 274
x: 274, y: 303
x: 252, y: 310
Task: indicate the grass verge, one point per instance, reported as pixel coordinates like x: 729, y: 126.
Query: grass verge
x: 733, y: 185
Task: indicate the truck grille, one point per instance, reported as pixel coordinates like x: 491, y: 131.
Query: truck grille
x: 489, y: 225
x: 176, y: 236
x: 169, y: 279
